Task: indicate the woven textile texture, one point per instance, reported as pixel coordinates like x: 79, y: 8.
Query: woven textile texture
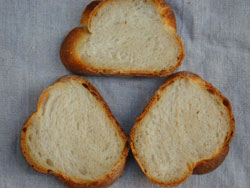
x: 216, y: 36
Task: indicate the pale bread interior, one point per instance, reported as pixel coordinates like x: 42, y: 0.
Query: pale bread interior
x: 186, y: 125
x: 130, y: 35
x: 72, y: 134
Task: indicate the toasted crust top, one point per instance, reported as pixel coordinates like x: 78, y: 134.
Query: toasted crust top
x: 200, y: 167
x: 87, y: 11
x: 73, y: 62
x: 73, y: 181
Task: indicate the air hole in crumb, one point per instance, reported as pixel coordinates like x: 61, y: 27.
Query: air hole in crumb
x: 85, y: 85
x: 198, y: 112
x: 205, y: 144
x: 153, y: 158
x: 72, y: 152
x: 30, y: 138
x: 94, y: 93
x: 39, y: 154
x: 226, y: 138
x: 106, y: 147
x: 210, y: 90
x: 83, y: 171
x: 225, y: 102
x: 49, y: 162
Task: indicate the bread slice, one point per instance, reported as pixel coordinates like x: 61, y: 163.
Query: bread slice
x: 185, y: 128
x: 125, y: 37
x: 74, y: 136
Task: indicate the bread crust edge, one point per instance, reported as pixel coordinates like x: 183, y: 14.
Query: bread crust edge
x: 74, y: 63
x: 72, y: 182
x: 200, y: 167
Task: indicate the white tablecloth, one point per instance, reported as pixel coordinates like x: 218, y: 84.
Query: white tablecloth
x: 216, y: 36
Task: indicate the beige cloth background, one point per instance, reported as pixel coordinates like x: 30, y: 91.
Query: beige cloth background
x: 216, y: 35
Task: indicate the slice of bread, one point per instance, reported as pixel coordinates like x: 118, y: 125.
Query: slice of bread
x: 125, y: 37
x: 185, y: 128
x: 74, y: 136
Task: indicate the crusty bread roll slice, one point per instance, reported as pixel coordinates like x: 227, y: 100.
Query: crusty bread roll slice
x: 185, y: 128
x: 74, y: 136
x: 125, y: 37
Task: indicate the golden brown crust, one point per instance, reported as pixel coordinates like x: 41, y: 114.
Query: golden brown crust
x: 203, y: 166
x: 76, y: 65
x: 73, y: 182
x: 86, y: 13
x: 67, y: 51
x: 167, y: 12
x: 209, y: 165
x: 25, y: 149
